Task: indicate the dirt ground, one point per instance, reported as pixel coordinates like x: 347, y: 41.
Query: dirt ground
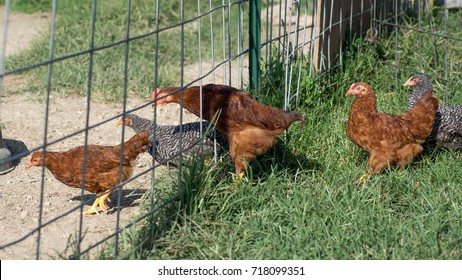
x: 22, y: 119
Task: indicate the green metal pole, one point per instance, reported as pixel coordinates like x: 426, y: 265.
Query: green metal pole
x: 254, y: 44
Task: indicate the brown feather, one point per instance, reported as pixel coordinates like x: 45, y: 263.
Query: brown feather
x: 102, y: 163
x: 250, y: 127
x: 390, y: 139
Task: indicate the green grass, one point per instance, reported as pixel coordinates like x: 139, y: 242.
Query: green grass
x: 28, y: 6
x: 299, y: 200
x: 73, y: 34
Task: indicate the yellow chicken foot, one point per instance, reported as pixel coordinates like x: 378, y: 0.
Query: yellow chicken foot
x: 102, y: 202
x: 93, y: 209
x: 238, y: 181
x: 363, y: 178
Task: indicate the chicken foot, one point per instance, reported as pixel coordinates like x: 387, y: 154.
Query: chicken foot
x: 363, y: 178
x: 237, y: 181
x: 101, y: 201
x: 373, y: 165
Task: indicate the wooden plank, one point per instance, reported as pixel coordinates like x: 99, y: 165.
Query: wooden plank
x: 332, y: 25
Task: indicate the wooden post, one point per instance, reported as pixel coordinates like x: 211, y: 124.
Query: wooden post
x: 332, y: 24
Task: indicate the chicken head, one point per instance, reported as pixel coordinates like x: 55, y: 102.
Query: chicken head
x: 35, y: 159
x: 161, y: 98
x: 413, y: 81
x: 358, y: 89
x: 124, y: 121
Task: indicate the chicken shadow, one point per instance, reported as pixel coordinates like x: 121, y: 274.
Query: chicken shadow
x: 431, y: 153
x: 16, y: 148
x: 130, y: 198
x: 281, y: 158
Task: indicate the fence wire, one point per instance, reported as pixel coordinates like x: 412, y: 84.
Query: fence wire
x: 309, y: 35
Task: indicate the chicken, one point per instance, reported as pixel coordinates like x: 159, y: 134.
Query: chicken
x: 102, y: 166
x: 168, y: 137
x: 250, y: 127
x: 447, y: 130
x: 391, y: 140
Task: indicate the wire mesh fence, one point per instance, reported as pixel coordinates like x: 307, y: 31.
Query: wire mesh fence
x: 176, y: 43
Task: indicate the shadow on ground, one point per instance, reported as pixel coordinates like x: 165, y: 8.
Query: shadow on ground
x: 129, y: 198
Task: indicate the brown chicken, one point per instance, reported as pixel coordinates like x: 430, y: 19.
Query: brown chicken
x: 390, y: 139
x: 250, y: 127
x: 102, y: 166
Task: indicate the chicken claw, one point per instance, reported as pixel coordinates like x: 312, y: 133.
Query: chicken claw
x: 102, y: 202
x: 363, y: 179
x: 237, y: 181
x: 93, y: 209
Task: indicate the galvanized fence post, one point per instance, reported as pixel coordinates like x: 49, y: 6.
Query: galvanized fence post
x: 254, y: 44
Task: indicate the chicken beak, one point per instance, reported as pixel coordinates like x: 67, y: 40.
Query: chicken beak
x: 350, y: 90
x: 409, y: 83
x: 119, y: 122
x: 153, y: 97
x: 29, y: 163
x: 154, y: 94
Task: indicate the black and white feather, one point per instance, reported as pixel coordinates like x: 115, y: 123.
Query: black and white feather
x: 167, y: 139
x: 447, y: 130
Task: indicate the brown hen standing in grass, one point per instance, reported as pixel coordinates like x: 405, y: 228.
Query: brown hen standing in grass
x: 102, y: 166
x: 250, y: 127
x: 393, y: 140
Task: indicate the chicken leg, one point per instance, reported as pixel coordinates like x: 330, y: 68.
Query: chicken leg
x: 101, y: 201
x: 237, y: 181
x: 373, y: 165
x: 363, y: 178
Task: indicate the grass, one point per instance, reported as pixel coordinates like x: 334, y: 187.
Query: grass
x: 73, y: 35
x: 299, y: 200
x: 28, y: 6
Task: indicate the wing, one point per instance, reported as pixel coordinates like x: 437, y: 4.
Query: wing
x: 240, y: 109
x: 384, y: 132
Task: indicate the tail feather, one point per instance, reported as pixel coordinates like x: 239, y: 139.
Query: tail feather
x: 422, y: 116
x: 295, y: 116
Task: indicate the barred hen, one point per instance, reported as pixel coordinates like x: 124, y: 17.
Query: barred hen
x: 390, y: 139
x: 250, y: 127
x: 168, y: 138
x: 447, y: 130
x: 102, y: 166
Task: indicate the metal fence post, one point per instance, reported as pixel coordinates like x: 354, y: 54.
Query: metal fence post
x: 254, y: 44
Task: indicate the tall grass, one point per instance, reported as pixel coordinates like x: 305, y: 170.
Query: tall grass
x: 299, y: 200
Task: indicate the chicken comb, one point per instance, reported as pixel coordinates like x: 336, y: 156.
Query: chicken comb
x: 352, y: 85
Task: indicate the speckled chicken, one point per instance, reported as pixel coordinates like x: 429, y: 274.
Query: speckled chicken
x: 102, y: 166
x: 447, y: 130
x: 168, y: 138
